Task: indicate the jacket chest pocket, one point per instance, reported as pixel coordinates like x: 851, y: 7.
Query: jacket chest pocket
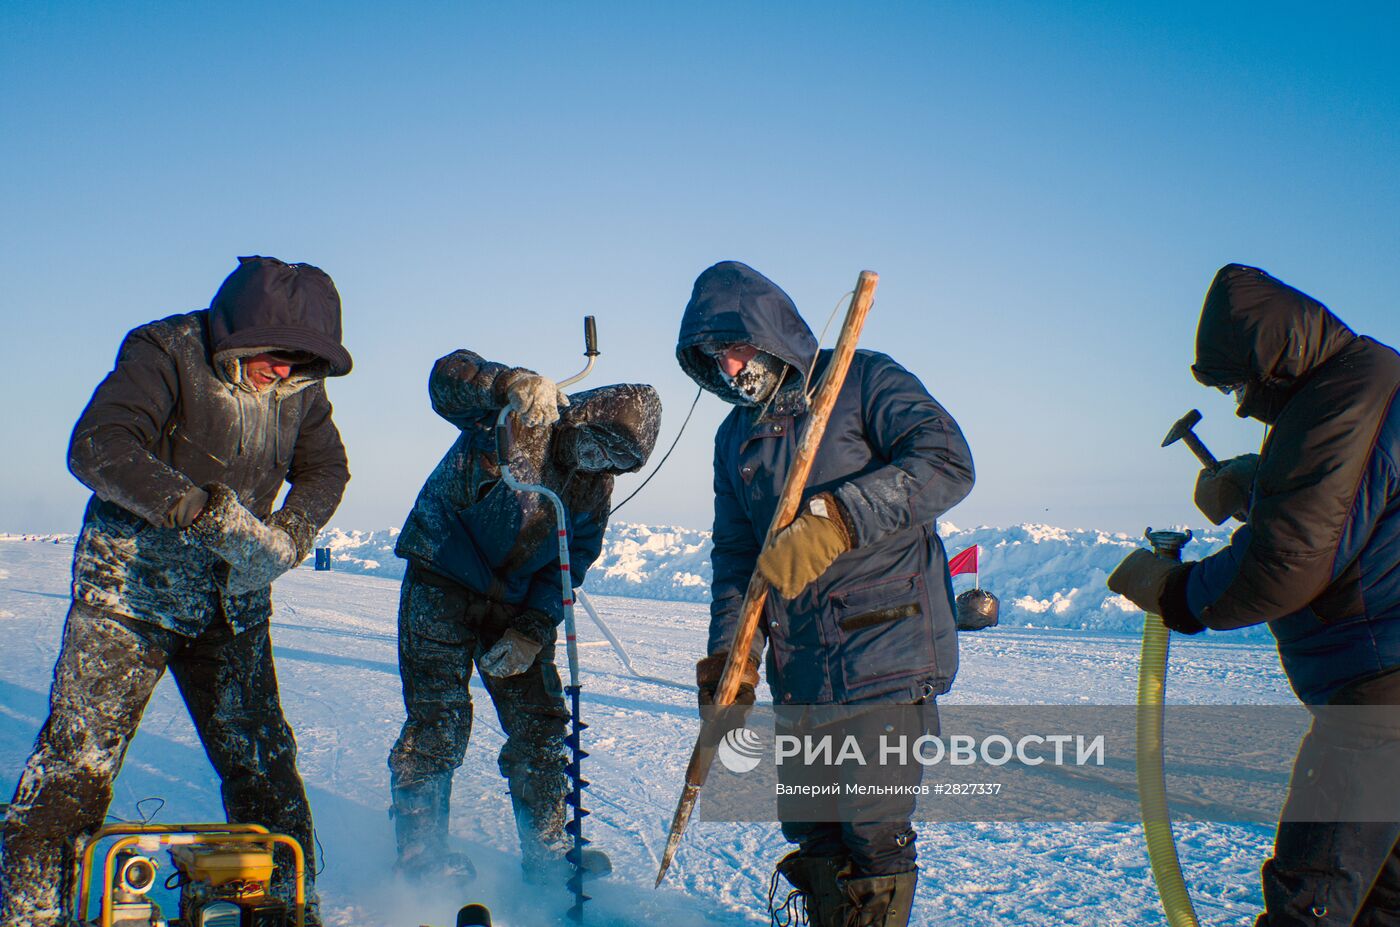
x: 755, y: 467
x: 882, y: 628
x: 483, y: 471
x: 204, y: 456
x: 759, y: 471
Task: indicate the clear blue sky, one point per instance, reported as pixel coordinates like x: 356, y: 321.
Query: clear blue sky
x: 1045, y: 189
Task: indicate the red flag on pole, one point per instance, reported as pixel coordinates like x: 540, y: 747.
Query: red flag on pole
x: 965, y: 562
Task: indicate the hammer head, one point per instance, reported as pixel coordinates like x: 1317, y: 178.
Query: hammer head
x: 1183, y: 427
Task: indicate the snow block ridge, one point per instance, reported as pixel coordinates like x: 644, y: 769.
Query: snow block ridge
x: 1045, y: 576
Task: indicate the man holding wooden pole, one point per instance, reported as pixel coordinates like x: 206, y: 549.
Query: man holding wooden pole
x: 861, y: 609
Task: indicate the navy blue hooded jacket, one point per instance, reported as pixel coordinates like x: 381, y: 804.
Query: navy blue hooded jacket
x: 1319, y: 557
x: 878, y: 625
x: 471, y: 527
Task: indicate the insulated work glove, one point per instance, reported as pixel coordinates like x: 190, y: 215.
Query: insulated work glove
x: 804, y: 549
x: 1224, y: 491
x: 256, y: 553
x: 298, y: 527
x: 709, y: 670
x: 535, y: 399
x: 1142, y: 578
x: 512, y: 655
x: 1145, y: 579
x: 1182, y: 622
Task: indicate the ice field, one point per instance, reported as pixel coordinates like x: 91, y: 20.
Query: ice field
x: 336, y: 655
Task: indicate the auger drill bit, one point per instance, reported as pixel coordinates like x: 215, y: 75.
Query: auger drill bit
x: 574, y: 827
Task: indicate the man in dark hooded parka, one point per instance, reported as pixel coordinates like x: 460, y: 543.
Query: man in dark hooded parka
x: 186, y: 445
x: 482, y: 589
x: 863, y: 610
x: 1318, y: 559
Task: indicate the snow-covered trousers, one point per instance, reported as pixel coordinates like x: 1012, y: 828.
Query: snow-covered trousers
x: 107, y: 668
x: 443, y: 629
x: 1326, y: 874
x: 873, y: 831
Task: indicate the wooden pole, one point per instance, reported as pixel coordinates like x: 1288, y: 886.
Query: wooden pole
x: 703, y: 754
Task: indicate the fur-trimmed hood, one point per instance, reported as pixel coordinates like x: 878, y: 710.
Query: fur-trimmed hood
x: 731, y: 302
x: 611, y: 429
x: 269, y: 305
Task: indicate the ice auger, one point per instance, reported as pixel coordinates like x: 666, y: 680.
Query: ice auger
x: 574, y: 827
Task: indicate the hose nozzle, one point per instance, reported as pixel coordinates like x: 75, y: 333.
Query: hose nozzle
x: 1167, y: 543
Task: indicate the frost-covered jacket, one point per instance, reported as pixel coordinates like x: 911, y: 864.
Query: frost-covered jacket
x: 879, y: 624
x: 169, y: 417
x: 471, y: 527
x: 1319, y: 557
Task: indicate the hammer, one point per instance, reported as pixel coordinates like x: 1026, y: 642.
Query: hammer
x: 1182, y: 429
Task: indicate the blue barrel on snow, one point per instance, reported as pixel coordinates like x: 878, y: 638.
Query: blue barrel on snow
x: 323, y: 558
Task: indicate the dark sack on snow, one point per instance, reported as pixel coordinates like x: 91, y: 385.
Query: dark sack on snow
x: 977, y: 609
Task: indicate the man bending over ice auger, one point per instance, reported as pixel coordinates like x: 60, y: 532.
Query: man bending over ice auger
x: 482, y: 587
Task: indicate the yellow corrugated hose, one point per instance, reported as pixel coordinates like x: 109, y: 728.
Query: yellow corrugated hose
x: 1152, y: 782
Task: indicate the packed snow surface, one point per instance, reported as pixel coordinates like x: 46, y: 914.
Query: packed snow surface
x: 335, y: 639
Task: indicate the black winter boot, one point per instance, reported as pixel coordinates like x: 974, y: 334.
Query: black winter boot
x: 537, y: 799
x: 816, y: 890
x: 879, y: 901
x: 420, y: 830
x: 556, y: 869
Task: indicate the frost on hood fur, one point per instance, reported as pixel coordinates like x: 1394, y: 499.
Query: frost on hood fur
x: 733, y: 303
x: 611, y: 429
x: 269, y: 305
